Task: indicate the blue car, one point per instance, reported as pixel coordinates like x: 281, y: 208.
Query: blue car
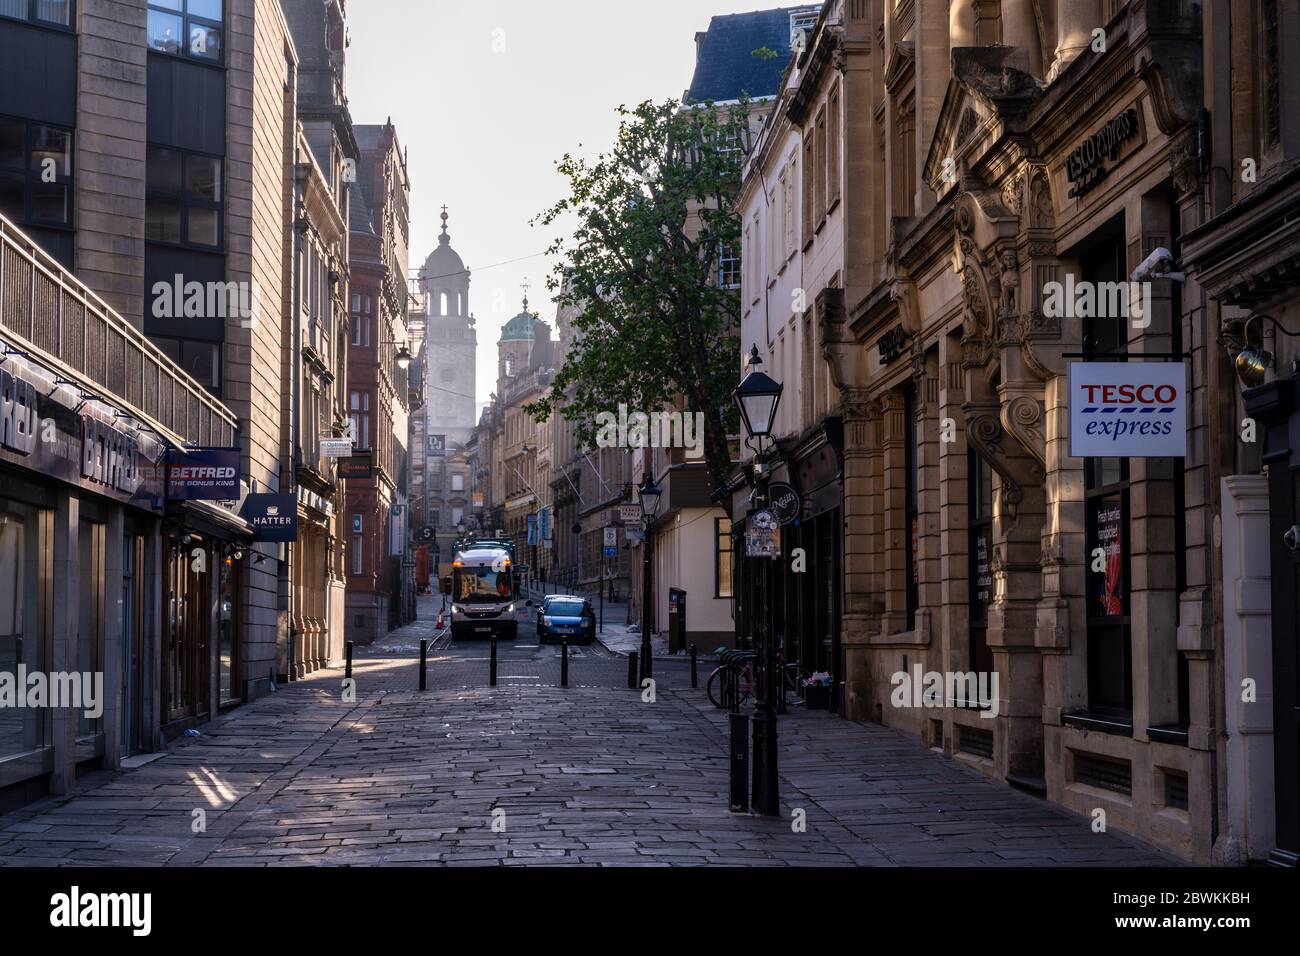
x: 564, y: 618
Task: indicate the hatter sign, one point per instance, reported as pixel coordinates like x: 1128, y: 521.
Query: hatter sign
x: 1128, y: 410
x: 274, y: 517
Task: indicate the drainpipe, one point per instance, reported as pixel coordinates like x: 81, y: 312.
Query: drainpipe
x: 295, y: 405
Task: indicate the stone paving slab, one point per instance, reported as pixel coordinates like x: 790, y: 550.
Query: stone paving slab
x: 576, y: 776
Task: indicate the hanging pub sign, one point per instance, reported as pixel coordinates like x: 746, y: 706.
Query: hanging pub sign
x: 274, y: 517
x: 359, y: 466
x: 784, y: 502
x: 203, y: 474
x: 1128, y: 410
x: 762, y: 536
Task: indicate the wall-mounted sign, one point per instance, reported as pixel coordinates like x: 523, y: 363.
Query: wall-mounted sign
x: 610, y: 549
x: 18, y: 414
x: 762, y: 536
x: 1128, y: 409
x: 426, y: 533
x: 274, y: 517
x: 893, y: 344
x: 109, y: 456
x: 784, y: 502
x: 437, y: 446
x: 358, y: 467
x: 1085, y: 166
x: 336, y: 447
x: 203, y: 474
x: 629, y: 514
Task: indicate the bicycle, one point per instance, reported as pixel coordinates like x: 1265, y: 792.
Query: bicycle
x: 721, y: 692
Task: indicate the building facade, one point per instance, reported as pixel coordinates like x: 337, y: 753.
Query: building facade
x: 378, y: 392
x: 937, y: 173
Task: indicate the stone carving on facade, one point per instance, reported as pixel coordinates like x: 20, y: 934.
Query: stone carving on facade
x: 838, y: 346
x: 984, y: 433
x: 1013, y: 193
x: 1022, y: 416
x: 1042, y: 215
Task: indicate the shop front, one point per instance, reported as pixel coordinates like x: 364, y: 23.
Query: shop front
x: 80, y: 584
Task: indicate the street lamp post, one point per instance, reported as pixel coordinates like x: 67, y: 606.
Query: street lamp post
x: 758, y: 396
x: 649, y: 495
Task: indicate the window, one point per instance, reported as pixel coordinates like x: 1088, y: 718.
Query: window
x: 819, y: 170
x: 457, y: 482
x: 361, y: 319
x: 360, y: 418
x: 729, y: 267
x: 183, y: 198
x: 35, y: 172
x: 52, y: 12
x: 807, y: 201
x: 358, y: 548
x: 202, y: 360
x: 787, y: 208
x: 1106, y: 518
x: 912, y: 519
x: 722, y: 566
x: 980, y: 503
x: 188, y: 28
x: 833, y: 150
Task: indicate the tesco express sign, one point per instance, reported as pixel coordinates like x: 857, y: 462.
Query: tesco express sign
x: 1128, y: 409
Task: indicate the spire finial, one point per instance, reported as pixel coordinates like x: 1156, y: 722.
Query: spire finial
x: 525, y: 286
x: 444, y: 238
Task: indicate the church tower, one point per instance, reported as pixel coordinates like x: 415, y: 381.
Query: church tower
x: 450, y: 344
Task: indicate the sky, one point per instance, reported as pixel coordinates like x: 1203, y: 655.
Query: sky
x: 487, y: 95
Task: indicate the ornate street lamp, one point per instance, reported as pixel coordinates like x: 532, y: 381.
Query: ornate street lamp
x: 758, y: 396
x: 648, y: 498
x: 403, y: 357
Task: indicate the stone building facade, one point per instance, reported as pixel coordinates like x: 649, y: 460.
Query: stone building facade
x: 957, y: 162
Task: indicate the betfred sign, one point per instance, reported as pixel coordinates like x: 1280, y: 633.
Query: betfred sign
x: 203, y: 474
x: 1128, y: 410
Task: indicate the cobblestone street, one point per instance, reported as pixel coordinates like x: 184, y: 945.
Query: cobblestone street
x: 529, y: 772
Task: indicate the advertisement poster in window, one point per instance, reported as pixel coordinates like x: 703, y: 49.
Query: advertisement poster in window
x: 1108, y: 530
x: 983, y: 572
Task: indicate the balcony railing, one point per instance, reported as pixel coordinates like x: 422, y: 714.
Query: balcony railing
x: 49, y: 312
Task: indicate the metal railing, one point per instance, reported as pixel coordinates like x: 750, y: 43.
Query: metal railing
x: 47, y: 311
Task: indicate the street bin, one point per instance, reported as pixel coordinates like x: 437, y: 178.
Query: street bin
x: 676, y: 620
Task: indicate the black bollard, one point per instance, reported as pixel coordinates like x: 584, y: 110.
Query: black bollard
x: 424, y: 661
x: 739, y: 763
x: 631, y: 670
x: 492, y: 667
x: 695, y: 668
x: 348, y: 646
x: 564, y: 664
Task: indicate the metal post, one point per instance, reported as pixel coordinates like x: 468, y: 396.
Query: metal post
x: 601, y: 585
x: 424, y: 661
x: 695, y: 671
x: 739, y: 763
x: 348, y: 647
x: 492, y: 666
x: 767, y: 800
x: 631, y: 670
x: 564, y: 664
x: 646, y: 600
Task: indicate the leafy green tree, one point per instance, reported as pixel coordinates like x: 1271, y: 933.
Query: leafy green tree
x: 641, y: 271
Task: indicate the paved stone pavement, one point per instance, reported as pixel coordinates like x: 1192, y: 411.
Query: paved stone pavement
x: 583, y: 775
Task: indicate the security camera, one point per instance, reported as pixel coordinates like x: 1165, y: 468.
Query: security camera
x: 1159, y: 265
